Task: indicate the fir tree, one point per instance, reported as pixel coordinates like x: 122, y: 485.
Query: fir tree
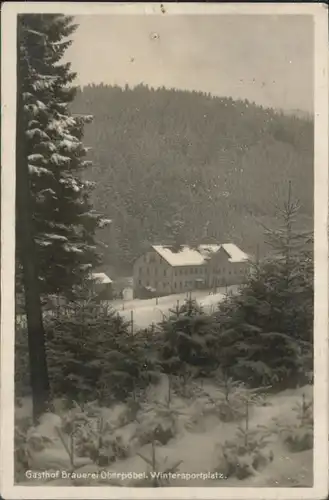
x: 63, y: 220
x: 186, y: 340
x: 92, y: 354
x: 266, y: 333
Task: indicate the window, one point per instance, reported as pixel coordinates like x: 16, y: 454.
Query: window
x: 175, y: 285
x: 181, y: 271
x: 191, y: 270
x: 229, y: 272
x: 164, y: 273
x: 139, y: 282
x: 186, y: 271
x: 175, y: 272
x: 147, y: 283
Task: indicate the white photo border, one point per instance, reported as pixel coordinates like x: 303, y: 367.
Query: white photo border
x: 319, y: 12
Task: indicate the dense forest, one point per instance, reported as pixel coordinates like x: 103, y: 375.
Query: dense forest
x: 217, y: 165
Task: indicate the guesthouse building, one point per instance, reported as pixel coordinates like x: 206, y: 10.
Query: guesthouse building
x: 166, y: 270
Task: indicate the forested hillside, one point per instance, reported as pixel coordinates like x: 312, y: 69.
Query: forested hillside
x: 216, y: 165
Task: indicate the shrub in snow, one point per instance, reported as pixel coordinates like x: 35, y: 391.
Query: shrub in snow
x: 159, y: 421
x: 90, y: 435
x: 185, y: 385
x: 229, y: 404
x: 248, y: 453
x: 157, y: 469
x: 298, y: 436
x: 44, y: 447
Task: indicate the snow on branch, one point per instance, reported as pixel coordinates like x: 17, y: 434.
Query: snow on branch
x: 70, y: 182
x: 68, y: 247
x: 58, y: 159
x: 38, y: 170
x: 57, y: 237
x: 35, y: 157
x: 69, y: 145
x: 36, y: 132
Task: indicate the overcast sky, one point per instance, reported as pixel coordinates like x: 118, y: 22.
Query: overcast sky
x: 266, y: 59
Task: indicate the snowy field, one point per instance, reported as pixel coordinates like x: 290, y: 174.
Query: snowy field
x: 196, y: 443
x: 145, y: 312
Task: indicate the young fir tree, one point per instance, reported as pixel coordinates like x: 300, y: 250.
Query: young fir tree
x: 186, y: 339
x: 266, y: 332
x: 93, y: 355
x: 63, y: 222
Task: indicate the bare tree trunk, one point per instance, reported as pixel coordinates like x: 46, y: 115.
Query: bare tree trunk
x: 27, y: 254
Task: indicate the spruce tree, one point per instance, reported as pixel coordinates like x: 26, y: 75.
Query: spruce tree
x: 63, y: 220
x: 186, y: 340
x: 266, y: 332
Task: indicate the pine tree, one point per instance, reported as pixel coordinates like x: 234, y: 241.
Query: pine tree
x: 186, y: 339
x: 63, y: 220
x: 92, y: 355
x: 292, y: 269
x: 266, y: 333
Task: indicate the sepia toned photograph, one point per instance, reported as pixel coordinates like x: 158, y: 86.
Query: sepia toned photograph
x: 164, y: 251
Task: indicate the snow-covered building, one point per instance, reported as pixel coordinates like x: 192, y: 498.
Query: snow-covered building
x: 102, y: 285
x: 165, y: 270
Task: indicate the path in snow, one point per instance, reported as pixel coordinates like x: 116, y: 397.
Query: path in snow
x: 145, y: 312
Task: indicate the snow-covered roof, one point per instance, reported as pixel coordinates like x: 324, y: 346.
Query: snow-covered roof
x: 101, y: 278
x: 187, y: 256
x: 236, y: 255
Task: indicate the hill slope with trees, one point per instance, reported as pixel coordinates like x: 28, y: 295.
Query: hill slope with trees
x: 217, y: 165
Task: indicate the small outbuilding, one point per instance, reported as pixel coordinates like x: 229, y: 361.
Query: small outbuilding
x: 102, y: 286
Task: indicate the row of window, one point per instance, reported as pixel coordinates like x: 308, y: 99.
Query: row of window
x: 192, y: 270
x: 164, y: 285
x: 187, y: 270
x: 186, y: 284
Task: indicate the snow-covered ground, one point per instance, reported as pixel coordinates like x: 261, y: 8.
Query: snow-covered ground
x: 144, y: 312
x: 197, y: 448
x: 148, y: 311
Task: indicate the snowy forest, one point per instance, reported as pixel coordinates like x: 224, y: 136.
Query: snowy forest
x: 201, y: 398
x: 215, y: 163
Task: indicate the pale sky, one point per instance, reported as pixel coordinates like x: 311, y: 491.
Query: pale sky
x: 266, y: 59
